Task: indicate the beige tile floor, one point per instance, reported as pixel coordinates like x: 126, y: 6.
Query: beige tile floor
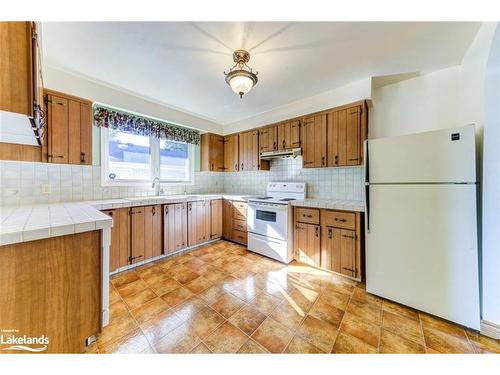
x: 221, y: 298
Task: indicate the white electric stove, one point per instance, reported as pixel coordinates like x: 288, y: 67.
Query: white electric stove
x: 270, y: 222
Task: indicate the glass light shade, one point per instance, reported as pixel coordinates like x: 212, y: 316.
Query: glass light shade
x: 241, y: 84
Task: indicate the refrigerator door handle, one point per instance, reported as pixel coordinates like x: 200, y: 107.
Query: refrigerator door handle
x: 367, y: 207
x: 366, y: 161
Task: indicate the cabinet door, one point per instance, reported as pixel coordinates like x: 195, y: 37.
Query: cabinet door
x: 157, y: 231
x: 215, y: 218
x: 148, y: 231
x: 314, y: 141
x: 180, y: 225
x: 169, y: 229
x: 254, y: 150
x: 332, y: 139
x: 206, y: 220
x: 348, y: 252
x: 341, y: 138
x: 353, y: 133
x: 124, y: 219
x: 307, y: 239
x: 268, y: 139
x: 15, y: 71
x: 231, y: 153
x: 227, y: 219
x: 330, y: 248
x: 114, y: 250
x: 216, y: 153
x: 58, y: 130
x: 85, y: 134
x: 294, y: 140
x: 242, y: 149
x: 138, y: 234
x: 284, y: 136
x: 192, y: 223
x: 74, y: 120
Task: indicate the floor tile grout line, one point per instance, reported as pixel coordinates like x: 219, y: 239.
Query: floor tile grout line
x: 343, y: 317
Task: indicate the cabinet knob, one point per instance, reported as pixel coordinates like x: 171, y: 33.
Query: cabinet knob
x: 330, y: 233
x: 322, y: 160
x: 316, y: 231
x: 241, y: 166
x: 284, y: 143
x: 82, y: 157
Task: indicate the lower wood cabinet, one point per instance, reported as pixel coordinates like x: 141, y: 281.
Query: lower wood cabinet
x: 145, y: 233
x: 216, y: 218
x: 307, y: 240
x: 329, y: 239
x: 199, y: 226
x: 174, y: 227
x: 235, y: 221
x: 120, y: 238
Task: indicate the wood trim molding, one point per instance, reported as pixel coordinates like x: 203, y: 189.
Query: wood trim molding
x: 490, y: 329
x: 12, y: 151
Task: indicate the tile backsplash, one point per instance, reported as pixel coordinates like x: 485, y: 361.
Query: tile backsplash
x: 24, y: 182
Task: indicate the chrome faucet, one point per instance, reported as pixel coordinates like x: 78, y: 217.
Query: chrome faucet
x: 156, y: 183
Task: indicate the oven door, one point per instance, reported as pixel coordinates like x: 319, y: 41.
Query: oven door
x: 268, y: 219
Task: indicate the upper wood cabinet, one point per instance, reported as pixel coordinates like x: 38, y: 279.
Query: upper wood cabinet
x: 289, y: 134
x: 212, y: 152
x: 249, y: 152
x: 174, y: 227
x: 347, y: 129
x: 314, y: 130
x: 20, y: 69
x: 268, y: 138
x: 216, y: 213
x: 231, y: 153
x: 69, y: 129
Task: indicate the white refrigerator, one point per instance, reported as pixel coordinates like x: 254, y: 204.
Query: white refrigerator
x: 421, y: 222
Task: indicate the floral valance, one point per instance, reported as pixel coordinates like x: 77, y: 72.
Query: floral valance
x: 130, y: 123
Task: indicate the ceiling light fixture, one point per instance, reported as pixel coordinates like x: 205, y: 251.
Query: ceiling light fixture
x: 240, y: 77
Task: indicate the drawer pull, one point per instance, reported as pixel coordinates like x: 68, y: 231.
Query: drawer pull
x: 341, y: 220
x: 309, y: 216
x: 349, y: 269
x: 351, y: 236
x: 330, y: 233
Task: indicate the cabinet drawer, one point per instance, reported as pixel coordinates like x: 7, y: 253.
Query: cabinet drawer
x: 240, y: 210
x: 307, y: 215
x: 240, y: 225
x: 240, y: 236
x: 339, y: 219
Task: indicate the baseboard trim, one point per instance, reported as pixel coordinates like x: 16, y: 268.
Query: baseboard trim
x: 490, y: 329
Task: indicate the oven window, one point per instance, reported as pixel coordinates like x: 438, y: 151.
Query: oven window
x: 266, y: 216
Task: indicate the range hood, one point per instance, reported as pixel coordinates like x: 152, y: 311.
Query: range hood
x: 17, y: 128
x: 281, y: 154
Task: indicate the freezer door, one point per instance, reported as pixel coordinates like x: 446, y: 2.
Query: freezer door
x: 421, y: 249
x: 439, y: 156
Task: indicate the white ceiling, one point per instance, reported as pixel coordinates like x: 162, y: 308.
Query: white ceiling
x: 181, y: 64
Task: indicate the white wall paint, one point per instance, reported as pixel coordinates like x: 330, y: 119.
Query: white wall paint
x: 491, y: 187
x: 352, y: 92
x: 60, y: 80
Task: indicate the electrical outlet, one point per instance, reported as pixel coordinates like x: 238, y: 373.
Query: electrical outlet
x: 45, y: 188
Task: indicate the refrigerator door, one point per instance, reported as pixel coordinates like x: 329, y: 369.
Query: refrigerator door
x: 432, y: 157
x: 421, y: 249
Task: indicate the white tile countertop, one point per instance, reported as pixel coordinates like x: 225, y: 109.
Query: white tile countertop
x: 35, y: 222
x: 334, y: 204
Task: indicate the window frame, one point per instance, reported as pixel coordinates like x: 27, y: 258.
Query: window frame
x: 155, y: 165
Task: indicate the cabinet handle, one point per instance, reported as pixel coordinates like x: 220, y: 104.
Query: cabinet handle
x: 352, y: 237
x: 241, y: 166
x: 166, y: 210
x: 322, y: 160
x: 131, y: 258
x: 330, y: 233
x: 308, y: 162
x: 110, y: 213
x: 336, y: 159
x: 284, y: 143
x: 236, y: 166
x: 55, y: 156
x: 275, y: 145
x: 136, y: 212
x: 82, y: 157
x: 353, y: 159
x: 341, y: 220
x: 154, y: 210
x: 212, y: 167
x: 309, y: 216
x: 316, y: 231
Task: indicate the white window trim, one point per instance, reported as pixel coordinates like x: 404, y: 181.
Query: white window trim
x: 155, y: 162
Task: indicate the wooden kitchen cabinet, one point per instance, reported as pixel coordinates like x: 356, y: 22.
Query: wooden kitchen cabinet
x: 20, y: 69
x: 346, y: 132
x: 249, y: 152
x: 216, y: 218
x: 137, y: 234
x: 307, y: 240
x: 314, y: 130
x: 199, y: 222
x: 153, y: 231
x: 174, y: 227
x: 268, y: 138
x: 227, y: 219
x: 289, y: 135
x: 120, y: 238
x: 231, y: 153
x: 69, y: 129
x: 330, y: 239
x: 212, y: 152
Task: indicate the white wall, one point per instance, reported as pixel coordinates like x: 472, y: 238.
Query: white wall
x: 491, y: 187
x: 98, y: 92
x: 352, y: 92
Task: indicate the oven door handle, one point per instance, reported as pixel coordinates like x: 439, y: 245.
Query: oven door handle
x: 268, y: 206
